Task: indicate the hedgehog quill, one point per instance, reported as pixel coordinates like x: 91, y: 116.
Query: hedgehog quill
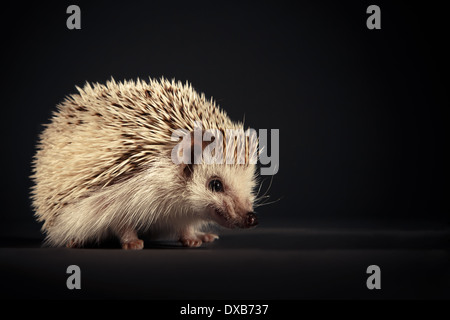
x: 104, y: 166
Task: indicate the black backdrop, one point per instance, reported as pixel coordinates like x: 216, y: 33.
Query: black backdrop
x: 362, y: 113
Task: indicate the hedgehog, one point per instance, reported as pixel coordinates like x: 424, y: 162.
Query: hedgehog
x: 104, y: 166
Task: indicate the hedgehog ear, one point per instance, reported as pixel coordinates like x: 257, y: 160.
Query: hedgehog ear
x: 188, y: 152
x: 193, y: 154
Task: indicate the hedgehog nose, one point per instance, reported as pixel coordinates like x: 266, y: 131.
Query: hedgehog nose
x: 251, y: 220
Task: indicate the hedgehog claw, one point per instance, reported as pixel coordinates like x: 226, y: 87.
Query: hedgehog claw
x: 137, y: 244
x: 208, y: 237
x: 72, y: 244
x: 192, y: 243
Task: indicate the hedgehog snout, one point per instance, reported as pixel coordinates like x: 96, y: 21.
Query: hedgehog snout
x: 251, y: 220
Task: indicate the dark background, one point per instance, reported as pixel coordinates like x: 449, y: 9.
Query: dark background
x: 363, y: 114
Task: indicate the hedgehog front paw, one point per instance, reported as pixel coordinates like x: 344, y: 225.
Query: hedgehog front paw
x: 191, y: 242
x: 129, y: 239
x: 137, y: 244
x: 208, y: 237
x: 197, y: 239
x: 72, y: 244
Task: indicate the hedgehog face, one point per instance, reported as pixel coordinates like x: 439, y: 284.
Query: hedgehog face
x: 224, y: 194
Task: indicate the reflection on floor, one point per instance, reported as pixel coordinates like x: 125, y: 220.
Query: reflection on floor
x: 263, y: 263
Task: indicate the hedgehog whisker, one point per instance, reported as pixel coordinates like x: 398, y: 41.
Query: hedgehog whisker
x: 265, y: 196
x: 261, y: 198
x: 267, y: 203
x: 259, y: 189
x: 268, y: 188
x: 261, y: 201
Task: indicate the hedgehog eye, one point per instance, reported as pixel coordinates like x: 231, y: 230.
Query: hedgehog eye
x: 216, y: 185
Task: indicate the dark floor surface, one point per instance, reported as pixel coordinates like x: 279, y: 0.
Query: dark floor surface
x: 264, y: 263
